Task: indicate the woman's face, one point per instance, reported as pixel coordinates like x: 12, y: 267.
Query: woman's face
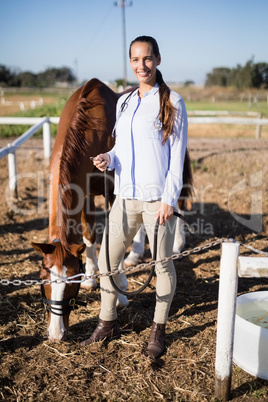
x: 144, y: 62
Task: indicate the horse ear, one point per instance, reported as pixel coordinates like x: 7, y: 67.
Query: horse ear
x: 77, y: 249
x: 44, y: 248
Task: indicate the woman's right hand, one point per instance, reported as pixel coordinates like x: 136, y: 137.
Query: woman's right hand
x: 101, y: 161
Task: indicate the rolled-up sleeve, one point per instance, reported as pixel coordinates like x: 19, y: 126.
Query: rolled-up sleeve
x: 178, y: 144
x: 111, y: 153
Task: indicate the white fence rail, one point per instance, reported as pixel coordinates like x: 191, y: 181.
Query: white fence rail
x: 247, y: 121
x: 212, y: 117
x: 10, y: 149
x: 221, y: 113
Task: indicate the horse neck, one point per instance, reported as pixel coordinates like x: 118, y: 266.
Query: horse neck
x: 92, y: 111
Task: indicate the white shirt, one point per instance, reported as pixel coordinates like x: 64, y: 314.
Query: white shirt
x: 144, y: 168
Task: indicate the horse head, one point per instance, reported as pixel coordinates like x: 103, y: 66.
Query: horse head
x: 59, y: 295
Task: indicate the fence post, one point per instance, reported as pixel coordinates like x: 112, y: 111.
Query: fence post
x: 226, y: 319
x: 12, y: 168
x: 46, y: 141
x: 258, y: 129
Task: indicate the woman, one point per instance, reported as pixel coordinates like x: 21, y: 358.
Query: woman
x: 148, y: 157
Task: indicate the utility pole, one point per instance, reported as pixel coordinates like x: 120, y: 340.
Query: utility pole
x: 122, y: 5
x: 76, y: 68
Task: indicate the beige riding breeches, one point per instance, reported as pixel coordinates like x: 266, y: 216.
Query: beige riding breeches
x: 125, y: 219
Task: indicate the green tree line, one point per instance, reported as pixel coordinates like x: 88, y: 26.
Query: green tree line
x: 48, y: 78
x: 251, y: 75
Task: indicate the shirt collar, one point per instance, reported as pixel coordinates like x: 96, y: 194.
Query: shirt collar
x: 152, y: 91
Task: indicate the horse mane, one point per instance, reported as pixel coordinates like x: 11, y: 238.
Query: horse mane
x: 59, y: 255
x: 75, y: 147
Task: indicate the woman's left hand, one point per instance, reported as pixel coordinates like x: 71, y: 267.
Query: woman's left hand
x: 164, y: 213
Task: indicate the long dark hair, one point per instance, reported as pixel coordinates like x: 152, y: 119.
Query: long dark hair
x: 167, y: 110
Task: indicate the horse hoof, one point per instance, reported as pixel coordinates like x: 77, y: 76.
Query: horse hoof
x: 57, y: 336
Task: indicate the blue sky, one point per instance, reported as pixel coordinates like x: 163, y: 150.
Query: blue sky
x: 193, y: 35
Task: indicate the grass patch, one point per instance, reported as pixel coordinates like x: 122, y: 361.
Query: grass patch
x: 53, y: 104
x: 54, y: 110
x: 260, y: 107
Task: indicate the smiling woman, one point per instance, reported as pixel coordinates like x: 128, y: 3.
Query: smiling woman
x: 151, y: 136
x: 143, y: 63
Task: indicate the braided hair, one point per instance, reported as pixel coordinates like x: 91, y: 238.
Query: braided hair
x: 167, y: 110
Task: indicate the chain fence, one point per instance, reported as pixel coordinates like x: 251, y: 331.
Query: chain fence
x: 255, y: 250
x: 82, y: 277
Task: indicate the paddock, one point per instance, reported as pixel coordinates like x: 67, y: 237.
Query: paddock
x: 230, y: 177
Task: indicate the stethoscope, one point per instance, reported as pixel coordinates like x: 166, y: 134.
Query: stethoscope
x: 157, y: 124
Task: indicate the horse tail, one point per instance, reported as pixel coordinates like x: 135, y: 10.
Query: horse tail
x: 187, y: 189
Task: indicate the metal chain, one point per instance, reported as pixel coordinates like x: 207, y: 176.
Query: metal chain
x: 255, y: 250
x: 83, y: 277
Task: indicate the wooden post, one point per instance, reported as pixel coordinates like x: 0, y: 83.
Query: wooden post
x: 226, y: 319
x: 258, y: 129
x: 12, y: 168
x: 46, y: 141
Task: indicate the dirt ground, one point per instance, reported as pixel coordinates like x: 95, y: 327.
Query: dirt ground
x: 231, y: 200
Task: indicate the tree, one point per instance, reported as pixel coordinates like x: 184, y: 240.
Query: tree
x: 48, y: 78
x: 65, y: 74
x: 245, y: 75
x: 25, y: 79
x: 188, y: 83
x: 51, y: 76
x: 260, y: 75
x: 219, y: 76
x: 248, y: 76
x: 5, y: 75
x: 120, y: 83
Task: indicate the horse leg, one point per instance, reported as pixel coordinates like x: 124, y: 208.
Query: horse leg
x: 122, y: 283
x: 89, y: 238
x: 137, y: 249
x: 179, y: 239
x: 91, y: 265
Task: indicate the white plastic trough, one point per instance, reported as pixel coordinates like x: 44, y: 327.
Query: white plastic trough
x: 251, y: 334
x: 231, y: 266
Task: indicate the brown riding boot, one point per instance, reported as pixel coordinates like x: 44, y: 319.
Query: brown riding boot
x: 105, y: 330
x: 156, y: 344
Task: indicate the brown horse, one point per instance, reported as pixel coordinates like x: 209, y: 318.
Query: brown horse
x: 85, y: 127
x: 84, y: 130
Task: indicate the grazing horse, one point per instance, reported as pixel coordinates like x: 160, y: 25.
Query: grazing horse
x: 84, y: 130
